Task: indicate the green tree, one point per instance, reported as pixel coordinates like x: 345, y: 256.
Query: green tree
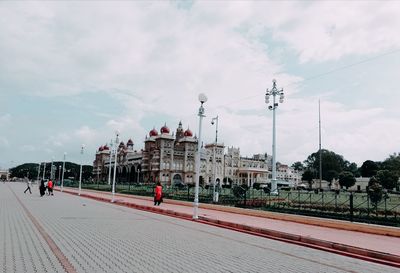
x: 308, y: 176
x: 388, y: 179
x: 392, y: 164
x: 347, y: 179
x: 369, y: 168
x: 375, y: 192
x: 352, y: 167
x: 331, y: 174
x: 330, y: 162
x: 298, y: 166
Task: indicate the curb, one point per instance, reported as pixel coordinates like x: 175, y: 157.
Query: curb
x: 301, y: 219
x: 341, y: 249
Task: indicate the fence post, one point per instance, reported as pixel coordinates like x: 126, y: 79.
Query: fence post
x: 298, y: 196
x: 385, y: 196
x: 351, y: 207
x: 323, y: 201
x: 336, y: 201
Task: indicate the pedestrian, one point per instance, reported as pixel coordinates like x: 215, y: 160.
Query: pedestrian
x: 28, y: 186
x: 42, y: 188
x: 158, y: 198
x: 50, y: 187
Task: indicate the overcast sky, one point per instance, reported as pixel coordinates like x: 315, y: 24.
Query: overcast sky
x: 74, y: 72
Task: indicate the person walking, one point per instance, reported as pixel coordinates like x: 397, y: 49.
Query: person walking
x: 28, y: 186
x: 158, y: 198
x: 42, y: 188
x: 50, y: 187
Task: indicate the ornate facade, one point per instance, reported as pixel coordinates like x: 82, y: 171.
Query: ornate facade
x: 170, y: 159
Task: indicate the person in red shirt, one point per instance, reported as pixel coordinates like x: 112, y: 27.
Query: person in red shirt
x: 158, y: 194
x: 50, y: 187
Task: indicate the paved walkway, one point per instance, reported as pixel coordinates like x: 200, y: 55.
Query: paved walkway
x: 353, y: 242
x: 66, y: 233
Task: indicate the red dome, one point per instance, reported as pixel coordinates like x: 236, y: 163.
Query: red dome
x: 101, y: 148
x: 164, y: 129
x: 153, y: 132
x: 105, y: 148
x: 129, y: 143
x: 188, y: 133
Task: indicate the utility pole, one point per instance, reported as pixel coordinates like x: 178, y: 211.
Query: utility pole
x: 320, y: 151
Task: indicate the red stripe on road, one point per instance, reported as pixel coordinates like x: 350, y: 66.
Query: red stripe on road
x: 68, y: 267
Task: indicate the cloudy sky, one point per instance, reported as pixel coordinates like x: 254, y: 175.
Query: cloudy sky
x: 74, y: 72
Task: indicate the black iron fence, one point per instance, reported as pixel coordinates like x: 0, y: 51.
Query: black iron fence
x: 337, y: 205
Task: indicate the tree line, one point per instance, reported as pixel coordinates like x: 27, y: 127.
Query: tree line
x: 72, y: 170
x: 383, y: 174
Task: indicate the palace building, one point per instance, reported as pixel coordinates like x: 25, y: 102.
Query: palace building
x: 170, y: 159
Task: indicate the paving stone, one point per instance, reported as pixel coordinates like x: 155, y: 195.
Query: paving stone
x: 101, y: 237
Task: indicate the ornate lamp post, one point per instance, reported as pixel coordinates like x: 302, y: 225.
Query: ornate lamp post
x: 63, y: 170
x: 274, y: 92
x: 80, y: 173
x: 215, y: 121
x: 109, y: 166
x: 202, y: 99
x: 115, y: 165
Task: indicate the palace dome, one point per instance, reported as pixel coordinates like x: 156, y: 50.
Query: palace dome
x: 153, y: 133
x: 164, y: 129
x: 129, y: 143
x: 188, y: 133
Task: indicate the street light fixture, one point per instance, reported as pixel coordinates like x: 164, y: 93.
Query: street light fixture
x: 38, y: 174
x: 115, y: 165
x: 63, y: 170
x: 44, y: 169
x: 215, y: 121
x: 80, y: 173
x: 202, y: 99
x: 109, y: 166
x: 274, y: 92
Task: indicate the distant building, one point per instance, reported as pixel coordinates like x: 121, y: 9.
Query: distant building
x: 4, y: 175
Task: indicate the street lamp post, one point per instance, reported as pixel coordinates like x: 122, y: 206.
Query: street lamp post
x: 51, y: 169
x: 44, y: 169
x: 38, y: 174
x: 109, y: 166
x: 138, y: 174
x: 59, y: 174
x: 63, y: 170
x: 115, y: 165
x: 215, y: 121
x: 274, y: 92
x: 202, y: 99
x: 80, y: 172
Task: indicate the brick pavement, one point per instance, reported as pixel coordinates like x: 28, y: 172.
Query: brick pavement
x: 102, y: 237
x: 325, y: 235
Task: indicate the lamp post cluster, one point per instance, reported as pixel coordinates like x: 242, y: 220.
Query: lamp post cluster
x: 274, y: 92
x: 61, y: 170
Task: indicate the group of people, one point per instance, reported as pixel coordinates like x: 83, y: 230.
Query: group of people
x: 43, y: 186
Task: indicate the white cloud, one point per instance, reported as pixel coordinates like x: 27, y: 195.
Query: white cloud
x: 155, y: 59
